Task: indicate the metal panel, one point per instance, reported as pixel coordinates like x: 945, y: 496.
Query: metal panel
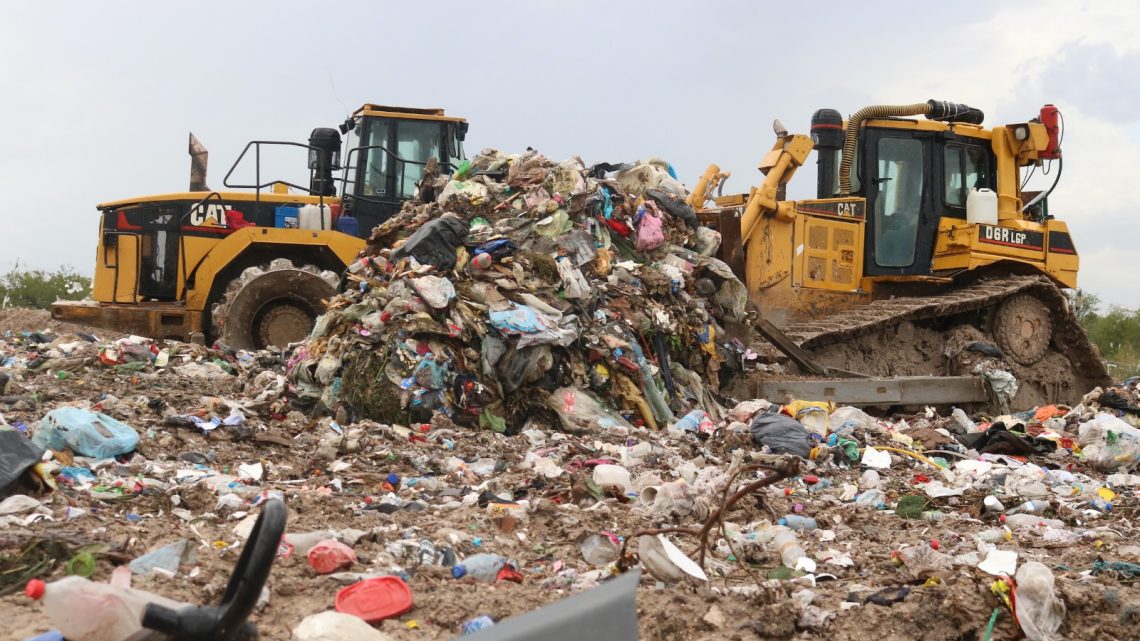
x: 608, y: 611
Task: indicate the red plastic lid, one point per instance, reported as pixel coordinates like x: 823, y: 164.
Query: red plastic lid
x: 35, y: 589
x: 375, y: 599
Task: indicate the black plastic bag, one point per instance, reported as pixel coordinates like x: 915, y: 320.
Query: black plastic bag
x: 434, y: 243
x: 781, y: 433
x: 674, y: 205
x: 17, y: 454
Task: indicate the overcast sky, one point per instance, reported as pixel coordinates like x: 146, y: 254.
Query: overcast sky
x: 99, y: 96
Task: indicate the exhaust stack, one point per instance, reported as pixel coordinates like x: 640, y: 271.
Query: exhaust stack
x: 199, y: 158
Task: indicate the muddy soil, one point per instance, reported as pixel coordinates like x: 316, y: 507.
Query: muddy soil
x: 738, y: 602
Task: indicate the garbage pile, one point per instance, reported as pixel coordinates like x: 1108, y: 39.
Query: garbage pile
x: 522, y: 289
x: 772, y: 520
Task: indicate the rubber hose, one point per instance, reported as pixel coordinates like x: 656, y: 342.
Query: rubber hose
x: 852, y: 134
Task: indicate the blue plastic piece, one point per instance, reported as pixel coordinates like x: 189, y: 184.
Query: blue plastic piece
x: 50, y: 635
x: 86, y: 433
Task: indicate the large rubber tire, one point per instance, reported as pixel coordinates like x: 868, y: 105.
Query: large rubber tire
x: 1023, y: 328
x: 271, y: 305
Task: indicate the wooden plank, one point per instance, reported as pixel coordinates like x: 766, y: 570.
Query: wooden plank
x: 899, y: 390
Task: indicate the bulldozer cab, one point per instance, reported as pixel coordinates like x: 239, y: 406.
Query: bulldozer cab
x: 388, y: 151
x: 912, y: 179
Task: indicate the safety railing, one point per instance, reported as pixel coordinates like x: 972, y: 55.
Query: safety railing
x: 400, y: 173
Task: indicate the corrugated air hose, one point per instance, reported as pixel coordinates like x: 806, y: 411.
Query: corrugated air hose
x: 852, y: 133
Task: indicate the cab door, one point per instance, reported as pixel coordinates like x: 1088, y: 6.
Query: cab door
x: 901, y: 218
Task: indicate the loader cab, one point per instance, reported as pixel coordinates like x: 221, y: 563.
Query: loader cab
x: 388, y: 149
x: 913, y: 174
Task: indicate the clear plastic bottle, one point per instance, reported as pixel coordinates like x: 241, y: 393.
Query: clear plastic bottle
x: 798, y: 522
x: 89, y: 611
x: 791, y: 554
x: 481, y: 567
x: 1030, y: 507
x: 1024, y: 521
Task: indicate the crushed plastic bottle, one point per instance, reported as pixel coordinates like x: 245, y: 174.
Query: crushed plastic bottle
x: 478, y: 623
x: 963, y: 421
x: 481, y: 567
x: 90, y: 611
x: 798, y: 522
x: 872, y: 498
x: 786, y: 544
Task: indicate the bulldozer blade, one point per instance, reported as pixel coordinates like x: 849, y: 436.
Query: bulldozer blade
x: 898, y: 390
x: 789, y: 348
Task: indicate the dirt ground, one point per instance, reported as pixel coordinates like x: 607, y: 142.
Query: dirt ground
x: 738, y: 601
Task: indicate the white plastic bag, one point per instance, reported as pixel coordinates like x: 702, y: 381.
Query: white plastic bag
x: 1039, y: 611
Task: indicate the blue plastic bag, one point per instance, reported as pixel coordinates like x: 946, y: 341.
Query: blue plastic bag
x: 86, y: 433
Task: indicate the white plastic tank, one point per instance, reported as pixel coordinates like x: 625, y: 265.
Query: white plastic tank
x: 320, y: 217
x: 982, y: 207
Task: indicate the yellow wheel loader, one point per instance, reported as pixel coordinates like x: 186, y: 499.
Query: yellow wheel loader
x: 252, y: 266
x: 921, y: 256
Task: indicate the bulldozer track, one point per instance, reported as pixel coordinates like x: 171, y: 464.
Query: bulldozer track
x: 1069, y: 337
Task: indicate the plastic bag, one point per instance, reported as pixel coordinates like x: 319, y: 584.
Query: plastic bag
x: 468, y: 189
x: 781, y: 433
x: 573, y: 281
x: 1109, y: 443
x: 435, y: 242
x: 578, y: 410
x: 17, y: 454
x: 520, y: 367
x: 707, y: 241
x: 673, y: 204
x: 650, y: 229
x: 85, y: 432
x: 860, y: 420
x: 436, y: 291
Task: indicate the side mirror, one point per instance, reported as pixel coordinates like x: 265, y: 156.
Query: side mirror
x: 463, y: 129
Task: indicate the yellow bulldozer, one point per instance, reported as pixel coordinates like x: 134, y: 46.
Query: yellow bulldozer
x: 920, y: 255
x: 252, y: 268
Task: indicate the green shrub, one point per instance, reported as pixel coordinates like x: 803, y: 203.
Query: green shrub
x: 38, y: 288
x: 1116, y: 332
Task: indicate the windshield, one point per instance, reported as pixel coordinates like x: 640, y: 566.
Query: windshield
x: 397, y: 150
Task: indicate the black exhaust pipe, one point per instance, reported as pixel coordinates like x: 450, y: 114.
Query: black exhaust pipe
x: 324, y: 159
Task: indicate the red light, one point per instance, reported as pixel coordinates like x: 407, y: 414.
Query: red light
x: 1050, y: 117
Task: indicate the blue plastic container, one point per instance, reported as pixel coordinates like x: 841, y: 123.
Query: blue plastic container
x: 286, y: 216
x: 348, y: 225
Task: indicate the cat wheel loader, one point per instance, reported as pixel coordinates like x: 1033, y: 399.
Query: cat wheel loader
x: 919, y: 257
x: 253, y: 268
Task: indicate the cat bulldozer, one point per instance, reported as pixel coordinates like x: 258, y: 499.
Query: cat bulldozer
x: 920, y: 256
x: 253, y: 265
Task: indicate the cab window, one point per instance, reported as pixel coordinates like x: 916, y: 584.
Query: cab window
x: 964, y: 168
x: 898, y: 201
x: 416, y: 141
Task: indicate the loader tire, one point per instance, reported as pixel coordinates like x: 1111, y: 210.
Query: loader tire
x: 271, y: 305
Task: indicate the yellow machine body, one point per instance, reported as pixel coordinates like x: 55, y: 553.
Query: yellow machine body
x: 808, y: 259
x: 164, y: 262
